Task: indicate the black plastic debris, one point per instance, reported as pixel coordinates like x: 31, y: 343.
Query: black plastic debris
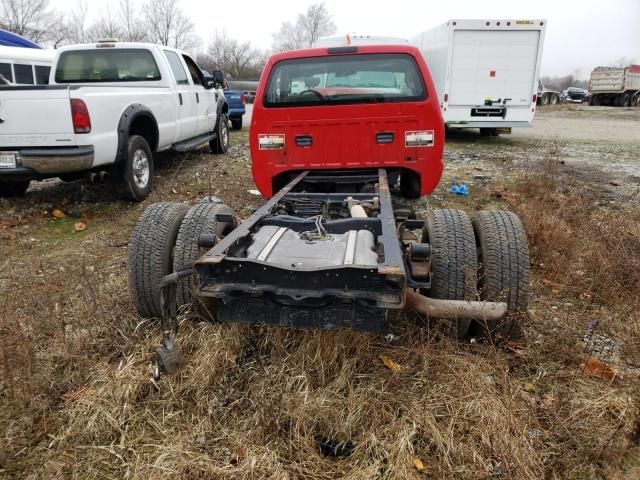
x: 333, y: 447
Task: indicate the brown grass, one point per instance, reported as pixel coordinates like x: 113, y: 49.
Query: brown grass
x: 77, y: 399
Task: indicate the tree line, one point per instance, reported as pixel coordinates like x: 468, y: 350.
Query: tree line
x: 159, y: 21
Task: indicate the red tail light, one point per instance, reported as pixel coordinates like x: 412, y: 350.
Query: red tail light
x: 80, y: 116
x: 533, y: 100
x: 242, y: 97
x: 446, y: 97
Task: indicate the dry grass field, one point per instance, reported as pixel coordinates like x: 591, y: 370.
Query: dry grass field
x: 77, y: 399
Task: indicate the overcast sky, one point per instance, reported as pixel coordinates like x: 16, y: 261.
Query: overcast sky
x: 580, y: 34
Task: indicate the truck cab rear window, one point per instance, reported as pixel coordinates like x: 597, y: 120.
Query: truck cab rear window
x: 117, y: 65
x: 344, y: 79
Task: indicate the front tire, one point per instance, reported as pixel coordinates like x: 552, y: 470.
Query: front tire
x: 221, y: 143
x: 151, y: 254
x: 454, y: 261
x: 137, y: 170
x: 13, y: 188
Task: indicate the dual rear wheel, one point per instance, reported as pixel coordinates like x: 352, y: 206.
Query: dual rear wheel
x: 482, y: 258
x: 164, y: 240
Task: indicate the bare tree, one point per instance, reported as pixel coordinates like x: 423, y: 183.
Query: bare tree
x: 168, y: 25
x: 133, y: 30
x: 622, y: 62
x: 237, y: 59
x: 29, y: 18
x: 309, y: 26
x: 106, y: 26
x: 76, y: 25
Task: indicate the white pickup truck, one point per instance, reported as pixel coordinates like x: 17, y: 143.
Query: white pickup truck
x: 108, y: 107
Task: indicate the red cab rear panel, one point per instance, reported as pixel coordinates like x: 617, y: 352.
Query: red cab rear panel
x: 399, y: 135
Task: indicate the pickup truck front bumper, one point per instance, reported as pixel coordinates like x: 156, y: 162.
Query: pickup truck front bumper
x: 49, y: 162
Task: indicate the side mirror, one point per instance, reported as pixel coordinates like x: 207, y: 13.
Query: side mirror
x: 209, y: 84
x: 218, y: 78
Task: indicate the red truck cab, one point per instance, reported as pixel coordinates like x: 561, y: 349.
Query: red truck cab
x: 348, y: 108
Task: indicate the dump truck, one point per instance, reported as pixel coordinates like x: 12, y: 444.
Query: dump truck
x: 339, y: 136
x: 486, y: 71
x: 615, y: 86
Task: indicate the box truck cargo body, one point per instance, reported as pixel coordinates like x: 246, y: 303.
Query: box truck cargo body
x: 486, y: 71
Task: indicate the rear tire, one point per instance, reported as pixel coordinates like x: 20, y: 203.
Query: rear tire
x: 151, y: 254
x: 595, y: 101
x: 545, y: 99
x: 220, y: 144
x: 554, y: 99
x: 454, y: 261
x: 410, y: 185
x: 236, y: 123
x: 13, y: 188
x: 503, y: 266
x: 200, y: 219
x: 626, y: 100
x: 137, y: 170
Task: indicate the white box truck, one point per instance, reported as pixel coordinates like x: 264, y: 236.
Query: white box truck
x: 486, y: 71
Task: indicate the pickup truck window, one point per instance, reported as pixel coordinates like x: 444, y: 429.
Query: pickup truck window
x: 176, y: 67
x: 345, y: 79
x: 42, y: 74
x: 5, y: 71
x: 24, y: 73
x: 196, y: 73
x: 113, y: 65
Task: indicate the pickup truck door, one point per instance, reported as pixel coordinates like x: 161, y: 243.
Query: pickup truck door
x: 187, y: 113
x: 205, y: 100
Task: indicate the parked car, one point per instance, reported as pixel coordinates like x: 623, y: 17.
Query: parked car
x: 574, y: 95
x: 109, y: 107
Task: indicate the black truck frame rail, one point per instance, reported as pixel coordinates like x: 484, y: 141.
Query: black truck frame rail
x: 315, y: 295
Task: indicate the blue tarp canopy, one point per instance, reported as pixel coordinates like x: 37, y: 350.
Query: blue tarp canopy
x: 9, y: 39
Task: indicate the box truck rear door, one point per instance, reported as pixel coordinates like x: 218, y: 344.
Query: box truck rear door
x: 493, y: 64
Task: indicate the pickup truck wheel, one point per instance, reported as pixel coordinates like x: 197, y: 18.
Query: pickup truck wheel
x: 151, y: 254
x: 137, y: 171
x: 454, y: 262
x: 220, y: 144
x: 13, y: 188
x: 236, y: 123
x: 503, y: 266
x: 200, y: 219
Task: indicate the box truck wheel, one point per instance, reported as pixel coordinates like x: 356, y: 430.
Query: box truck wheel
x: 151, y: 254
x: 626, y: 100
x: 454, y: 262
x: 200, y: 219
x: 503, y: 266
x: 13, y: 188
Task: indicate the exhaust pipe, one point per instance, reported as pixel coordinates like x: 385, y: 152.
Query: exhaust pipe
x: 436, y: 308
x: 98, y: 177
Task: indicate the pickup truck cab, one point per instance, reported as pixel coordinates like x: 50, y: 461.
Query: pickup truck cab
x: 348, y: 108
x: 107, y: 109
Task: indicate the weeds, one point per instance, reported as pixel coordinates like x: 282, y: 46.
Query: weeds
x: 78, y: 401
